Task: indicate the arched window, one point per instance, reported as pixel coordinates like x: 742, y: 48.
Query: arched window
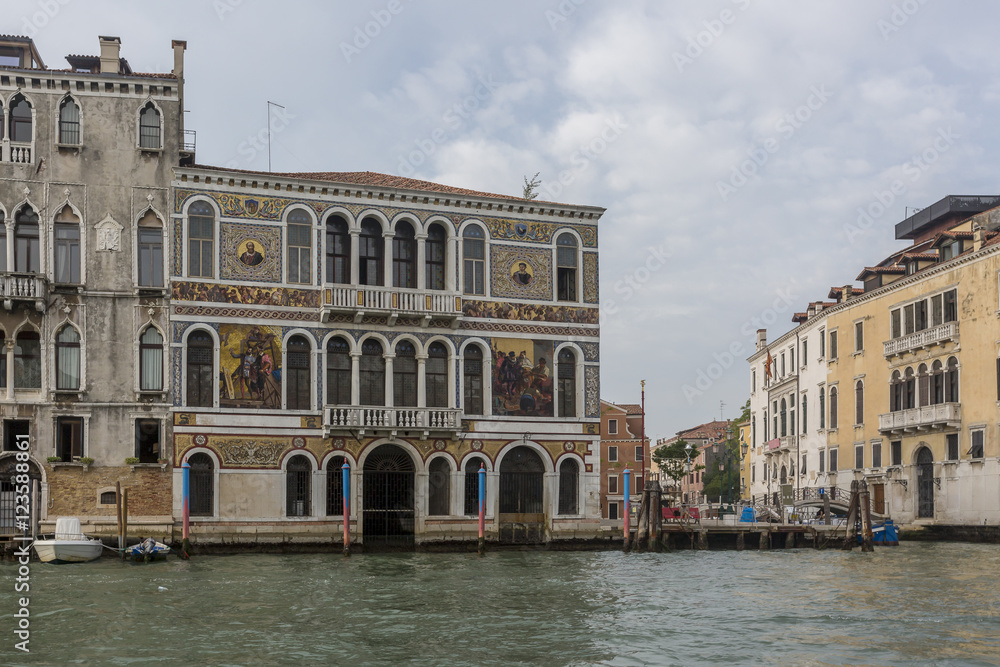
x: 404, y: 256
x: 439, y: 487
x: 27, y: 361
x: 937, y: 383
x: 3, y: 357
x: 151, y: 360
x: 434, y: 256
x: 150, y: 247
x: 567, y: 383
x: 784, y: 418
x: 569, y: 473
x: 338, y: 372
x: 371, y: 249
x: 859, y: 402
x: 566, y: 265
x: 895, y: 392
x: 200, y: 369
x: 909, y: 390
x: 474, y: 260
x: 833, y: 407
x: 298, y: 489
x: 338, y: 251
x: 335, y: 486
x: 805, y: 415
x: 822, y: 408
x: 26, y: 248
x: 298, y: 391
x: 299, y: 247
x: 201, y: 501
x: 3, y: 224
x: 69, y: 122
x: 774, y: 416
x: 66, y: 229
x: 404, y: 375
x: 201, y: 240
x: 20, y: 120
x: 472, y: 467
x: 372, y: 373
x: 149, y: 127
x: 473, y: 385
x: 951, y: 381
x: 67, y: 358
x: 436, y: 375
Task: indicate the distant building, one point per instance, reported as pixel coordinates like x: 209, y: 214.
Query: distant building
x: 707, y: 445
x: 621, y: 448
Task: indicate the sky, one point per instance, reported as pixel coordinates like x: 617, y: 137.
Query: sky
x: 750, y: 155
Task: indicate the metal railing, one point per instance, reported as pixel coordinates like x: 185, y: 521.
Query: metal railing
x: 927, y: 337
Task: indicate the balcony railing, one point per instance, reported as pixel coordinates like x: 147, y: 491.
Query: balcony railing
x: 926, y: 338
x: 15, y: 151
x: 778, y: 445
x: 22, y: 287
x: 339, y: 419
x: 392, y: 301
x: 921, y: 419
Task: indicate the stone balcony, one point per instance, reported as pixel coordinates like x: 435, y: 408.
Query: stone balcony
x: 394, y: 302
x: 921, y: 419
x: 361, y: 420
x: 21, y: 287
x: 779, y: 445
x: 926, y: 338
x: 18, y: 152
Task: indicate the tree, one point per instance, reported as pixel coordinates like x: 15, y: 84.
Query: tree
x: 531, y: 187
x: 672, y: 460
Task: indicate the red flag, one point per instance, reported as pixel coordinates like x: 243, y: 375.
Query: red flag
x: 767, y: 366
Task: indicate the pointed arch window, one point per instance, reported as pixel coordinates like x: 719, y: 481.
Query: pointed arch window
x: 372, y: 373
x: 69, y: 122
x: 567, y: 383
x: 201, y: 240
x: 150, y: 255
x: 67, y: 358
x: 26, y: 244
x: 436, y: 375
x: 404, y: 256
x: 404, y: 375
x: 569, y: 475
x: 28, y: 360
x: 439, y: 487
x: 66, y: 229
x: 434, y: 257
x: 338, y: 372
x: 474, y: 260
x: 20, y: 119
x: 149, y: 127
x: 298, y: 391
x: 299, y: 247
x: 473, y: 385
x: 338, y: 251
x: 371, y: 250
x: 566, y: 267
x: 200, y: 369
x: 151, y: 360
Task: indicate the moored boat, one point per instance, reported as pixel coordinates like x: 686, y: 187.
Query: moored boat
x: 148, y: 549
x: 68, y: 545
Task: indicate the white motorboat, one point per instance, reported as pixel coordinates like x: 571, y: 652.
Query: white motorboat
x: 69, y: 545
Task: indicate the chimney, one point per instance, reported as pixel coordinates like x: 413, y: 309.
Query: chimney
x: 761, y: 339
x: 179, y: 46
x: 978, y: 237
x: 846, y: 293
x: 110, y: 55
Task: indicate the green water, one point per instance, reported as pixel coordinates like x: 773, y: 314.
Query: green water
x: 932, y: 604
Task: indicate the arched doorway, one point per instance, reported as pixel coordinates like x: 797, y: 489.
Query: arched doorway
x: 522, y: 497
x: 9, y: 488
x: 388, y: 503
x: 925, y: 483
x: 784, y: 475
x: 202, y: 485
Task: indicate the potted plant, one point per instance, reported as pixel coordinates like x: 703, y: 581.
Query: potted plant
x: 131, y: 460
x: 53, y: 459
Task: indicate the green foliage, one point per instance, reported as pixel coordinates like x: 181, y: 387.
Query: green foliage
x: 531, y: 187
x: 132, y: 460
x: 86, y: 460
x: 672, y: 460
x: 53, y: 459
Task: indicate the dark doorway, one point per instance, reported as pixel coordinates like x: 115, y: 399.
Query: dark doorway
x: 10, y: 481
x: 388, y: 504
x: 522, y: 497
x: 925, y: 483
x: 202, y: 485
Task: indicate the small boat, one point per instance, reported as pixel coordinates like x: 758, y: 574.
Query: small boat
x: 69, y: 544
x: 147, y: 550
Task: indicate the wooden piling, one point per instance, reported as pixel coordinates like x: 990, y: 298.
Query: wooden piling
x: 118, y: 512
x: 124, y: 518
x: 826, y: 508
x: 851, y: 537
x: 702, y: 540
x: 740, y: 541
x: 867, y: 536
x: 765, y: 540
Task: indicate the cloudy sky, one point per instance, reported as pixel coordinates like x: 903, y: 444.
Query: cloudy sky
x: 734, y: 143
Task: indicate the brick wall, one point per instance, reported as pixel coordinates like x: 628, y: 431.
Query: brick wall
x: 73, y: 492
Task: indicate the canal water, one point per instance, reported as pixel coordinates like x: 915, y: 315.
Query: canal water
x: 918, y: 604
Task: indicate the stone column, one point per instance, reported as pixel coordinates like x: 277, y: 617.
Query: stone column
x: 421, y: 258
x: 421, y: 380
x: 355, y: 378
x: 388, y: 380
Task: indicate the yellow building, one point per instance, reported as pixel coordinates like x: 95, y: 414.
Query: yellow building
x: 744, y: 438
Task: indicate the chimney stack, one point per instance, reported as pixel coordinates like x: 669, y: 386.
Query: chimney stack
x: 179, y: 46
x: 110, y: 55
x: 761, y: 339
x: 846, y: 293
x: 978, y: 237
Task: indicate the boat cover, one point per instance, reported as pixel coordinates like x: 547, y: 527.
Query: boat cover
x: 68, y: 528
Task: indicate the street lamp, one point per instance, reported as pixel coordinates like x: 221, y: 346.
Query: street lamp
x: 743, y: 455
x: 687, y: 467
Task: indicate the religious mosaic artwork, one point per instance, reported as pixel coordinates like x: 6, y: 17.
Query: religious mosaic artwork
x: 592, y: 384
x: 250, y: 252
x: 529, y: 312
x: 590, y: 278
x: 521, y: 273
x: 536, y: 232
x: 250, y: 366
x: 522, y: 377
x: 245, y: 295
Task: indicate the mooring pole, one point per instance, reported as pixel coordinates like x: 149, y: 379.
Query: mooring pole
x: 124, y: 518
x: 118, y: 511
x: 346, y: 472
x: 186, y: 507
x: 482, y: 509
x: 628, y: 508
